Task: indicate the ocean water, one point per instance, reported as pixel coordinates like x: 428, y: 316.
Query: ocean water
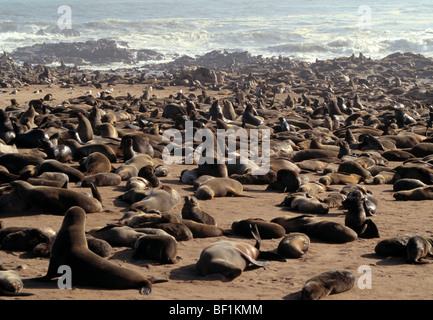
x: 304, y: 30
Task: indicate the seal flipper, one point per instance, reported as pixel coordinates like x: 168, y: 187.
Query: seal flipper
x: 95, y: 192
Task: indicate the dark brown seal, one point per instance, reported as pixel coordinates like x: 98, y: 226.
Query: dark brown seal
x: 88, y: 269
x: 326, y: 283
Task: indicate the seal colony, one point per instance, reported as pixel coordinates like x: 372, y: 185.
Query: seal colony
x: 350, y: 156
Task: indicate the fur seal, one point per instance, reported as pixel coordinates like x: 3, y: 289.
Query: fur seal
x: 162, y: 248
x: 393, y: 247
x: 304, y: 203
x: 45, y: 199
x: 229, y: 258
x: 417, y: 194
x: 162, y: 199
x: 340, y: 178
x: 326, y: 283
x: 11, y: 284
x: 202, y: 230
x: 356, y: 217
x: 267, y: 230
x: 218, y: 187
x: 61, y: 153
x: 95, y: 163
x: 384, y: 177
x: 148, y: 172
x: 101, y: 247
x: 418, y: 247
x: 15, y: 162
x: 407, y: 184
x: 120, y: 235
x: 294, y: 245
x: 81, y: 151
x: 287, y: 181
x: 23, y: 238
x: 191, y: 210
x: 102, y: 179
x: 126, y: 171
x: 52, y: 165
x: 84, y: 128
x: 88, y: 269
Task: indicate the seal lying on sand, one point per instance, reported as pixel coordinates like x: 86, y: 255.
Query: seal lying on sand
x: 229, y: 258
x: 44, y: 199
x: 326, y: 283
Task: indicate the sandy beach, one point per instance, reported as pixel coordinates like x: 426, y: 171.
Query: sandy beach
x: 391, y: 278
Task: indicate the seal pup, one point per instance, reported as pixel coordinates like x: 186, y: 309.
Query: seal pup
x: 326, y: 283
x: 148, y: 172
x: 162, y: 199
x: 287, y: 181
x: 419, y: 247
x: 162, y: 248
x: 229, y: 258
x: 88, y: 269
x: 294, y: 245
x: 11, y: 284
x: 191, y: 210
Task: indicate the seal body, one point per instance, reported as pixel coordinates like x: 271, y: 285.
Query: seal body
x: 218, y: 187
x: 294, y: 245
x: 162, y: 248
x: 326, y: 283
x: 162, y: 199
x: 88, y: 269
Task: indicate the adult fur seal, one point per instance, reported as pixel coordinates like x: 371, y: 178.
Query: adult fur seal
x: 44, y: 199
x: 417, y: 194
x: 88, y: 269
x: 229, y: 258
x: 162, y: 199
x: 356, y: 217
x: 218, y: 187
x: 267, y: 230
x: 326, y: 283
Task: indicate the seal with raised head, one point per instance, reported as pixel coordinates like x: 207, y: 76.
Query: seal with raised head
x: 88, y: 269
x: 191, y: 210
x: 356, y: 217
x: 84, y: 128
x: 326, y: 283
